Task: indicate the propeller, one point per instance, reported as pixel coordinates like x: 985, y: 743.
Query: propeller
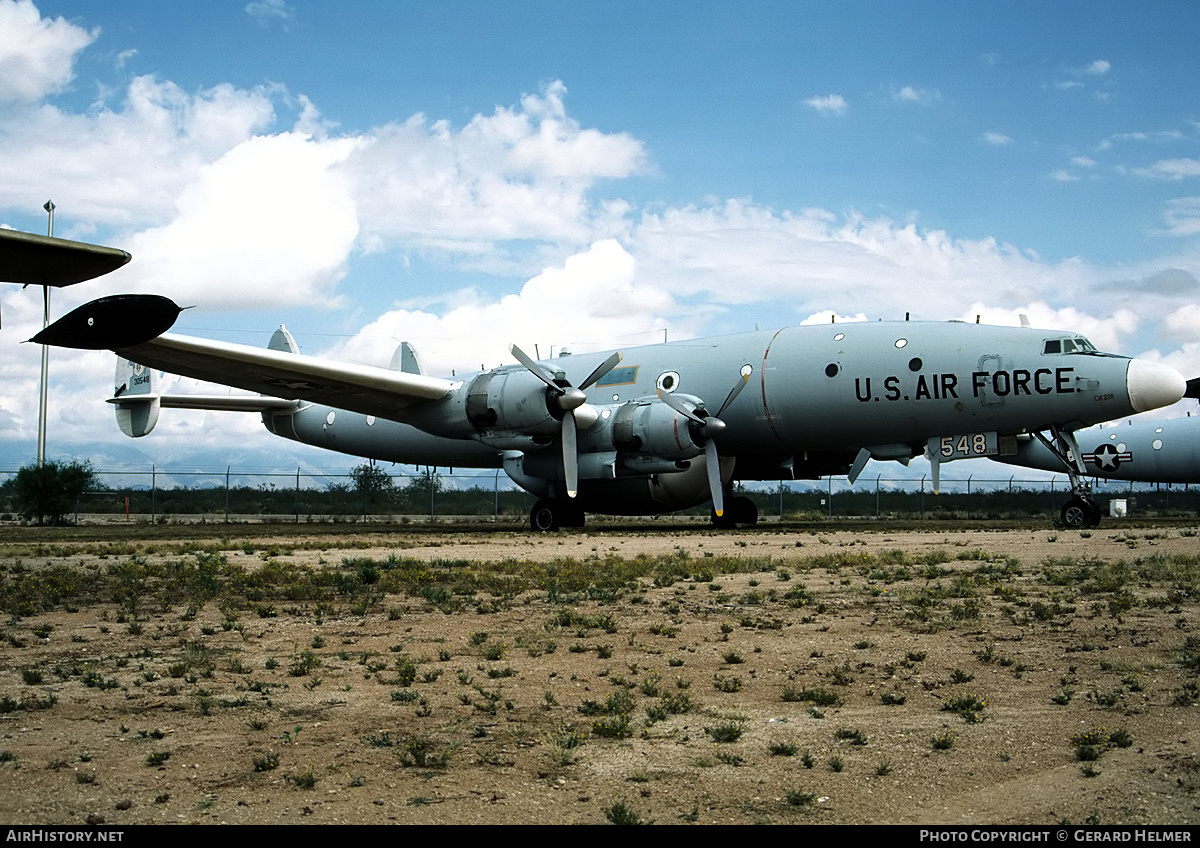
x: 1193, y: 389
x: 568, y: 399
x: 708, y: 428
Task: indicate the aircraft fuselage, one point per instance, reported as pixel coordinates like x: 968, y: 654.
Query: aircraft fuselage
x: 815, y: 395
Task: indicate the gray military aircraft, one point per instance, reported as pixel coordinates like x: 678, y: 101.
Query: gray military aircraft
x: 1142, y: 451
x: 652, y: 429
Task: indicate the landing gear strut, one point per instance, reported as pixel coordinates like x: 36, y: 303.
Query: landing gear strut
x: 1080, y: 511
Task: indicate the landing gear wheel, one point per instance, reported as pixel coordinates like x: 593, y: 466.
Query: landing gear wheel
x: 722, y: 522
x: 551, y: 514
x: 744, y: 511
x: 1078, y: 513
x: 544, y: 516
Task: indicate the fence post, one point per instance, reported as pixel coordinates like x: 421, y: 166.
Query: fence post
x: 831, y: 496
x: 153, y: 492
x: 877, y: 494
x: 297, y: 494
x: 496, y: 498
x: 922, y: 497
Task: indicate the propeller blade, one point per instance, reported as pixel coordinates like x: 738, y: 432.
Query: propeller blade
x: 734, y: 392
x: 677, y: 405
x: 524, y: 359
x: 714, y: 477
x: 601, y: 369
x: 570, y: 454
x: 1193, y: 389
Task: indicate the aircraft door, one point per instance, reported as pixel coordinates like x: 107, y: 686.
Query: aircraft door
x: 990, y: 364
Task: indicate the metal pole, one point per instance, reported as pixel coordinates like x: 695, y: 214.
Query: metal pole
x: 44, y: 388
x: 297, y: 494
x: 153, y: 492
x: 227, y: 467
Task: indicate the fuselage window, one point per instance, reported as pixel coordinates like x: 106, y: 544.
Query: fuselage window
x: 668, y: 381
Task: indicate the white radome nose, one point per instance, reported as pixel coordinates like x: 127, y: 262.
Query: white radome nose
x: 1153, y: 385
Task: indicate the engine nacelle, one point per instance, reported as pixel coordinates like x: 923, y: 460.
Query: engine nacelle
x: 649, y: 436
x: 510, y: 400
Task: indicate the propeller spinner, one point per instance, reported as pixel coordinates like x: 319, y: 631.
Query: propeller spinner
x: 707, y: 428
x: 568, y: 399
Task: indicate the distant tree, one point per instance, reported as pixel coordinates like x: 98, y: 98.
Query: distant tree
x: 373, y: 483
x: 48, y: 493
x: 371, y: 479
x: 418, y: 494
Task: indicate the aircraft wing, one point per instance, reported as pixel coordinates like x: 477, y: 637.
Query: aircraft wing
x: 44, y: 261
x: 291, y: 376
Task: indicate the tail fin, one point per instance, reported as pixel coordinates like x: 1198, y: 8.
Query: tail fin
x: 282, y: 341
x: 136, y: 398
x: 405, y: 359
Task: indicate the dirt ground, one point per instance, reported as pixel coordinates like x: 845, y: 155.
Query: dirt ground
x: 826, y: 676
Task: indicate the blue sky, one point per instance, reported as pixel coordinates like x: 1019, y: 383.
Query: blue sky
x: 468, y: 174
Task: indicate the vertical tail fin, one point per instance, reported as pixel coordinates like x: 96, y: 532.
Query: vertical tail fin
x: 136, y: 398
x: 405, y: 359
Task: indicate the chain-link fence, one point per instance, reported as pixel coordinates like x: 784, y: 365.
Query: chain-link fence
x: 371, y: 492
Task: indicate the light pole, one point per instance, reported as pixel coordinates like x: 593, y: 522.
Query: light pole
x: 44, y: 389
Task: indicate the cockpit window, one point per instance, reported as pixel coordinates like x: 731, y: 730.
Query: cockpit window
x: 1076, y: 344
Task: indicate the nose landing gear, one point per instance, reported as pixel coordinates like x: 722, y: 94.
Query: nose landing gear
x: 1080, y: 511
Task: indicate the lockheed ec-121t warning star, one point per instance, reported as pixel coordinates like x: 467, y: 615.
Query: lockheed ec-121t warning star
x: 652, y: 429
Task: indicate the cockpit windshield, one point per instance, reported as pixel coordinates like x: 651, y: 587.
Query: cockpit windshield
x: 1071, y: 344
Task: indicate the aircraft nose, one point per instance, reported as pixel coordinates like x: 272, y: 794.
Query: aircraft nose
x: 1152, y: 385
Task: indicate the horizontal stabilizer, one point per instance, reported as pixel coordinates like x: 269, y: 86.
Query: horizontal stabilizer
x: 113, y: 322
x: 230, y: 403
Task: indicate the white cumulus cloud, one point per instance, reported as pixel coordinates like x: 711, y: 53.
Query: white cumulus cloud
x: 36, y: 54
x: 591, y: 301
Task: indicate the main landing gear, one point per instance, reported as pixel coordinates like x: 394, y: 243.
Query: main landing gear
x: 1080, y: 511
x: 738, y: 510
x: 552, y: 513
